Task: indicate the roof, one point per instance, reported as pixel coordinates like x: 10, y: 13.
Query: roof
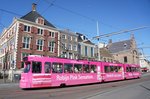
x: 68, y: 32
x: 119, y: 46
x: 89, y: 42
x: 85, y: 40
x: 33, y: 15
x: 105, y: 53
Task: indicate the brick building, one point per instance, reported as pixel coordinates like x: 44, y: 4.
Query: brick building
x: 31, y: 34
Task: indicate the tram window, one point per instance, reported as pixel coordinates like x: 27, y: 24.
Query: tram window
x: 36, y: 67
x: 57, y: 68
x: 93, y: 69
x: 115, y: 69
x: 86, y: 68
x: 137, y: 69
x: 107, y: 69
x: 111, y: 68
x: 127, y: 69
x: 27, y: 68
x: 133, y: 69
x: 47, y: 67
x: 68, y: 68
x: 77, y: 68
x: 119, y: 69
x: 130, y: 70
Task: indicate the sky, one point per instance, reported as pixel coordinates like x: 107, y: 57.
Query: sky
x: 83, y: 15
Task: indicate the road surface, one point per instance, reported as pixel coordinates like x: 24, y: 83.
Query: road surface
x: 128, y: 89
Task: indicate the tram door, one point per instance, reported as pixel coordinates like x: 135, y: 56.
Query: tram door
x: 99, y: 73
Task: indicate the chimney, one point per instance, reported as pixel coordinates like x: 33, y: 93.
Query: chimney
x: 34, y: 7
x: 132, y: 36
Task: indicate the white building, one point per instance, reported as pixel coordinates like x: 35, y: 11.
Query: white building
x: 144, y: 63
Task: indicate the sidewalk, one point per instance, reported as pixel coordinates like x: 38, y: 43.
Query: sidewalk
x: 7, y: 81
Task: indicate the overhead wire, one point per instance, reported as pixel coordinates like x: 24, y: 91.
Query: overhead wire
x: 78, y: 14
x: 37, y: 1
x: 50, y: 5
x: 10, y: 12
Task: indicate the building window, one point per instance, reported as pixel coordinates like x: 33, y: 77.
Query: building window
x: 51, y: 34
x: 104, y: 59
x: 74, y: 39
x: 125, y: 59
x: 40, y: 44
x: 27, y: 28
x: 92, y: 51
x: 63, y: 36
x: 40, y: 20
x: 75, y: 47
x: 125, y: 45
x: 86, y: 51
x: 22, y: 64
x: 108, y: 60
x: 26, y: 42
x: 70, y: 55
x: 40, y: 31
x: 70, y: 47
x: 63, y: 46
x: 24, y: 55
x: 64, y: 54
x: 51, y: 46
x: 69, y: 38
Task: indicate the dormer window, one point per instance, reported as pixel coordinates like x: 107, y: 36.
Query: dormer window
x: 83, y: 37
x: 125, y: 45
x: 40, y: 20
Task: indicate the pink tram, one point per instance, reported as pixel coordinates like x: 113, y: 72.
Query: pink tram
x: 50, y: 72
